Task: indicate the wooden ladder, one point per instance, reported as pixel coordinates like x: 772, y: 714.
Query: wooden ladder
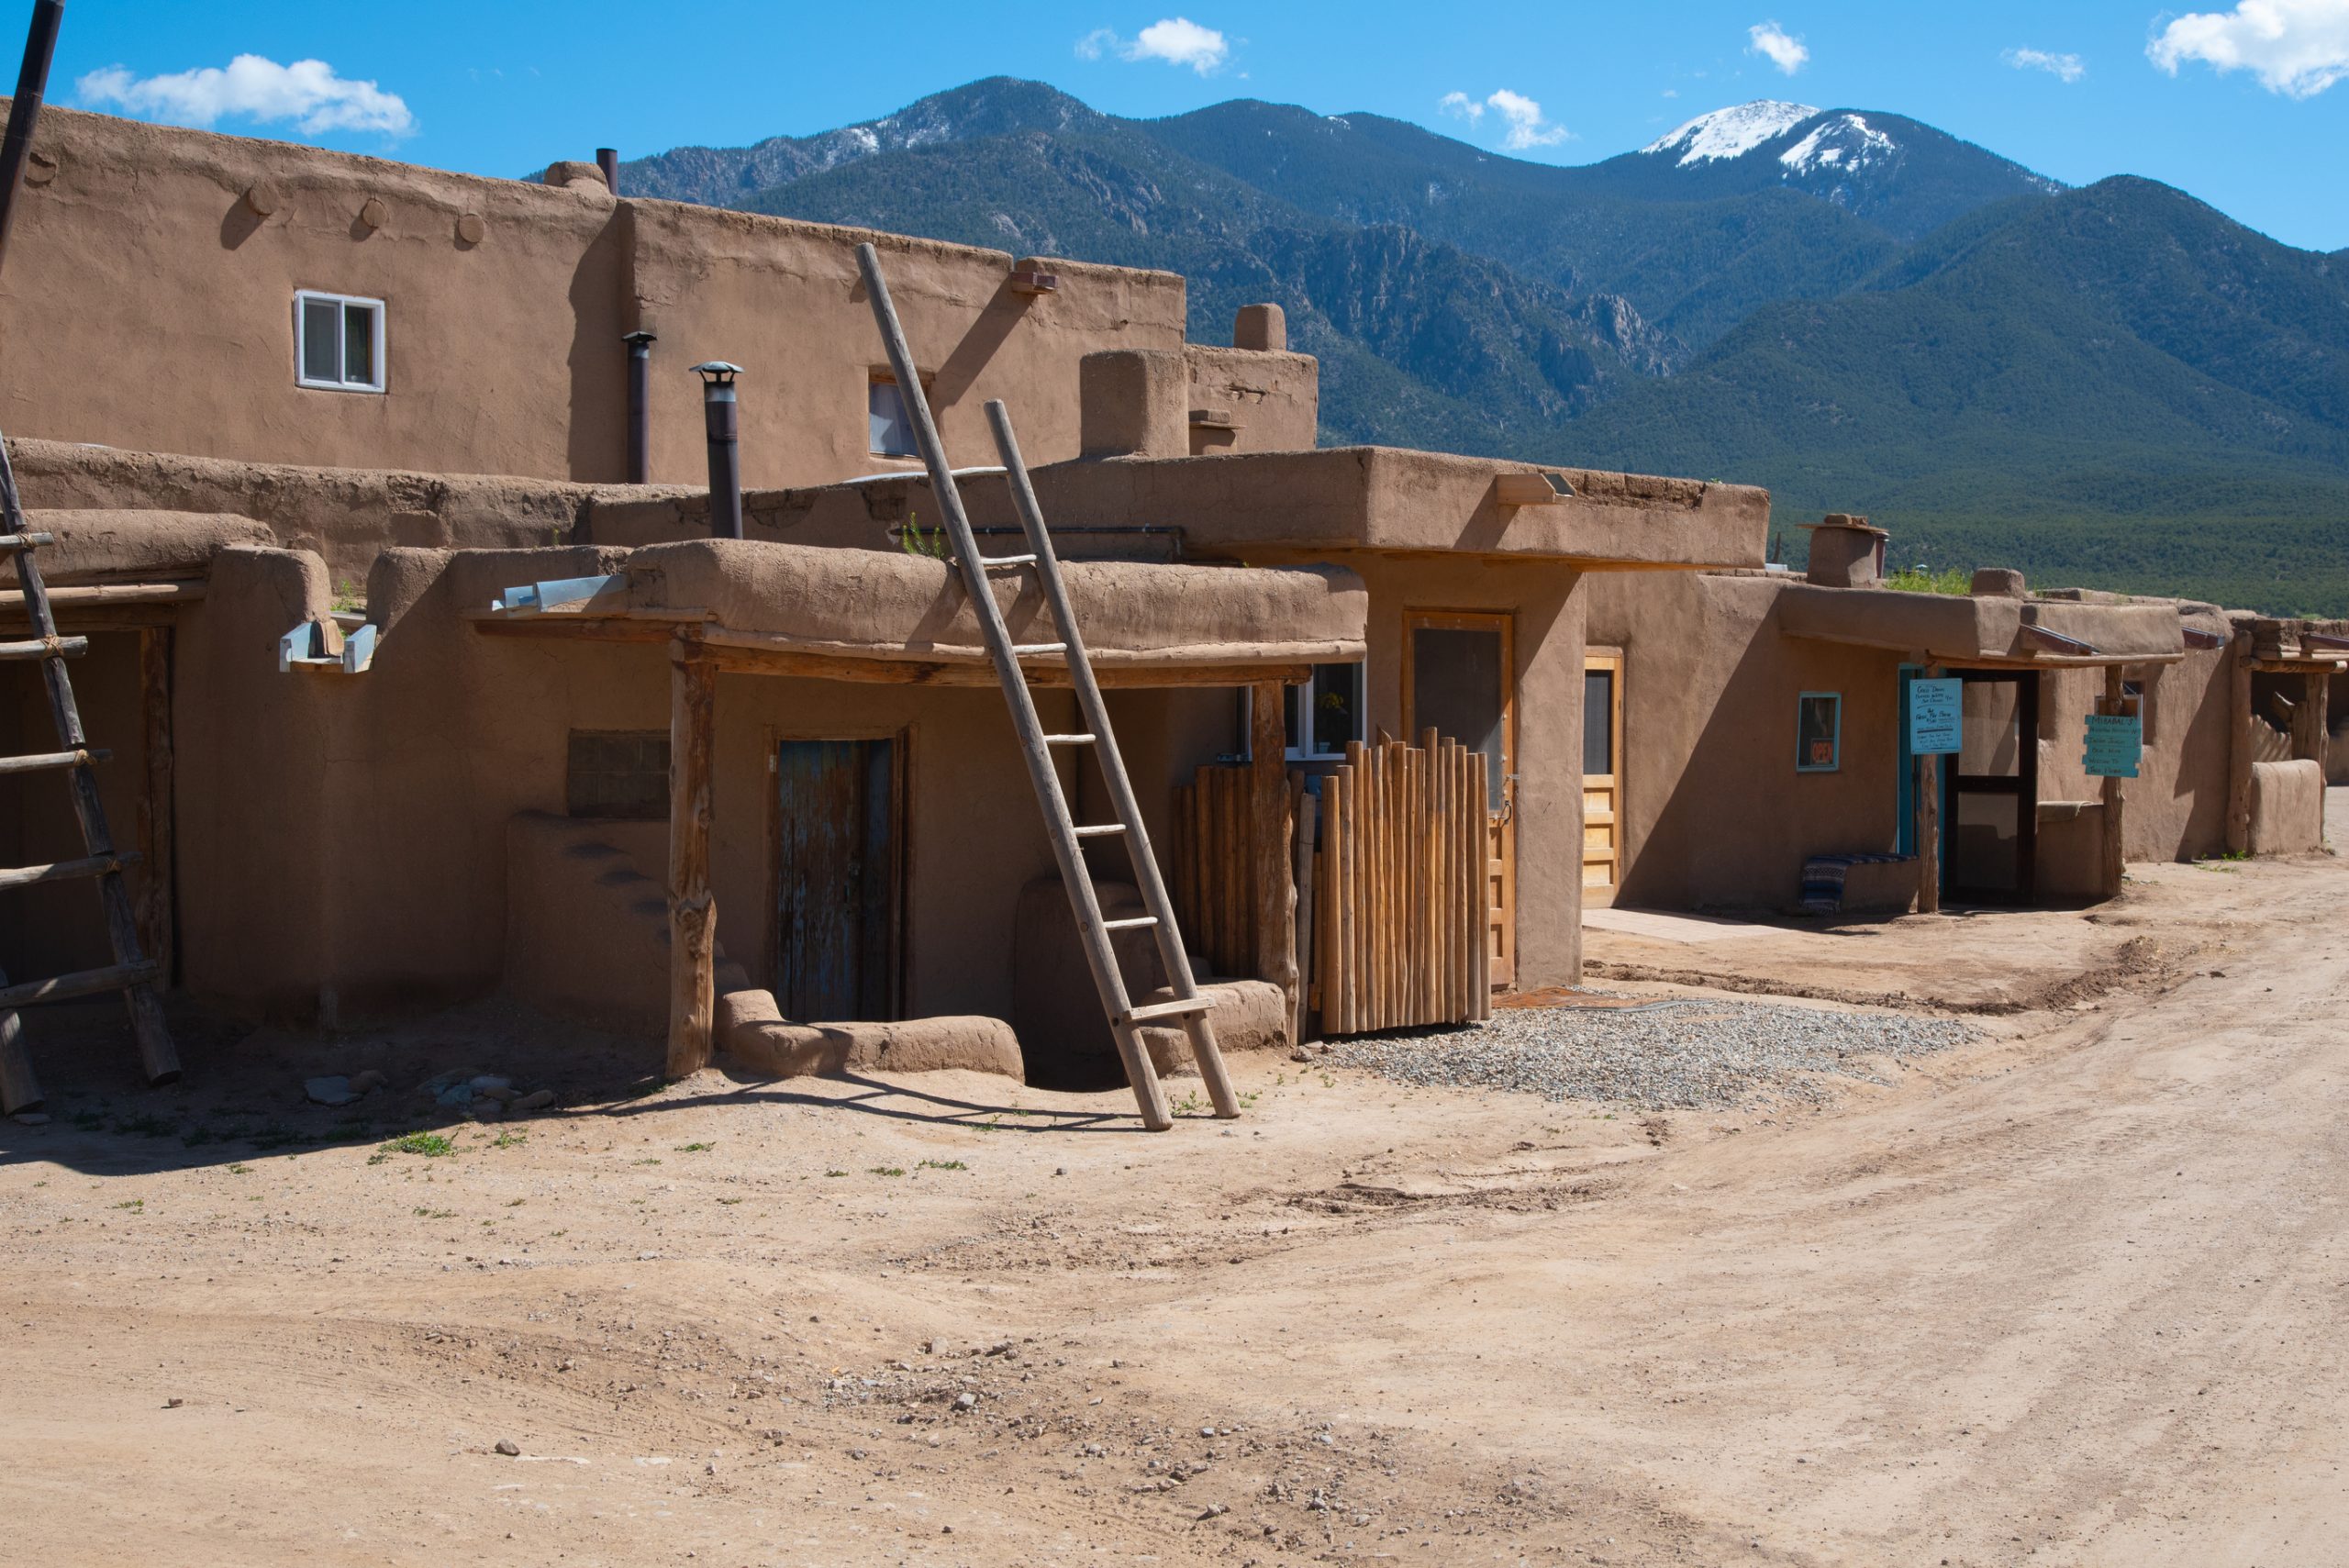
x: 1126, y: 1018
x: 132, y: 973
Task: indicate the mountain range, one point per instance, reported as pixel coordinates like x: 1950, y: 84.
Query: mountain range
x: 2113, y: 384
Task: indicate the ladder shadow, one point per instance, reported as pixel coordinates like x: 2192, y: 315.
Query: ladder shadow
x: 942, y: 1110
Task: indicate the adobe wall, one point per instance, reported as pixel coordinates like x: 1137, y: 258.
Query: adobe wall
x: 1713, y: 813
x: 2175, y: 809
x: 1546, y: 631
x: 503, y: 355
x: 1274, y: 400
x: 345, y: 839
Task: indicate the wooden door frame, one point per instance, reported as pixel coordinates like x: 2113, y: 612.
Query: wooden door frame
x: 775, y: 737
x: 1505, y: 622
x: 2023, y: 784
x: 1611, y: 659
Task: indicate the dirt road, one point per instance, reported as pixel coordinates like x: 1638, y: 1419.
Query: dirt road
x: 2072, y: 1293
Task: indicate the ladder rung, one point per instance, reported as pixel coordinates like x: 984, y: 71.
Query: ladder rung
x: 1068, y: 739
x: 1037, y: 650
x: 88, y: 983
x: 1180, y: 1007
x: 41, y: 761
x: 1136, y: 924
x: 985, y: 561
x: 46, y: 648
x: 1100, y: 829
x: 25, y: 541
x: 66, y: 870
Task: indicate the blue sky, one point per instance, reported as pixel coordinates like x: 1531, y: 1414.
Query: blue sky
x: 2245, y: 105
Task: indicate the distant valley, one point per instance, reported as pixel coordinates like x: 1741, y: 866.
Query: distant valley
x: 2113, y: 386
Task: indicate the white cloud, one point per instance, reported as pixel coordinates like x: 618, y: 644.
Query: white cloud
x: 1526, y: 125
x: 307, y: 93
x: 2298, y: 48
x: 1527, y: 128
x: 1177, y: 40
x: 1672, y: 92
x: 1781, y: 47
x: 2067, y: 67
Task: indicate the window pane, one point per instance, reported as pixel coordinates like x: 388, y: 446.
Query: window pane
x: 1337, y: 707
x: 1815, y: 738
x: 359, y: 344
x: 321, y: 342
x: 892, y: 426
x: 1290, y: 698
x: 1597, y: 721
x: 1456, y: 689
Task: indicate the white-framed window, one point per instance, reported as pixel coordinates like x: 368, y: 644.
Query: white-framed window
x: 337, y: 342
x: 889, y: 420
x: 1325, y: 713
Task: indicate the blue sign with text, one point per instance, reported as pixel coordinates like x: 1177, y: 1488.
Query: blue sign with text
x: 1936, y: 723
x: 2115, y: 741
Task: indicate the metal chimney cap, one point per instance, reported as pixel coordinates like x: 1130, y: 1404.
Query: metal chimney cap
x: 717, y: 372
x: 640, y: 336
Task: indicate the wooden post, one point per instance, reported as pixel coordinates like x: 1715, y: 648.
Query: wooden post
x: 693, y: 914
x: 2238, y: 655
x: 19, y: 1090
x: 2307, y: 718
x: 155, y: 904
x: 2115, y: 843
x: 1929, y: 823
x: 1301, y: 808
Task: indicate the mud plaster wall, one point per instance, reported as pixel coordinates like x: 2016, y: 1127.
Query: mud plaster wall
x: 1545, y: 622
x: 56, y: 927
x: 1713, y: 811
x: 1274, y: 399
x: 345, y: 839
x: 2175, y: 809
x: 503, y: 357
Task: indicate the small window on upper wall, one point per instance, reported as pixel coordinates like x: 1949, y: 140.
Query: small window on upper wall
x: 1819, y: 732
x: 891, y: 422
x: 337, y: 342
x: 1325, y: 713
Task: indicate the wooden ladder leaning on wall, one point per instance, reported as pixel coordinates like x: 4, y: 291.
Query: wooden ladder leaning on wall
x: 1126, y: 1018
x: 132, y: 973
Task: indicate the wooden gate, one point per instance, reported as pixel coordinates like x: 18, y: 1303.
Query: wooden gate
x: 1402, y: 901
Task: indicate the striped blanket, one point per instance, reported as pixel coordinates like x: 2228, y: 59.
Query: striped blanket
x: 1822, y: 879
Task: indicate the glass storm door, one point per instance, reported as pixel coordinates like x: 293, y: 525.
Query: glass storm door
x: 1461, y: 682
x: 1991, y: 837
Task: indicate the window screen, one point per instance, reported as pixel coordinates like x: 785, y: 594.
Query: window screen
x: 1819, y: 732
x: 1456, y: 690
x: 618, y: 773
x: 321, y: 358
x: 891, y: 424
x: 1597, y: 722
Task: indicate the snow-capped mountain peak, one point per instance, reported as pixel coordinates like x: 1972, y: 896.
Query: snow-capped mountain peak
x: 1841, y: 142
x: 1732, y: 132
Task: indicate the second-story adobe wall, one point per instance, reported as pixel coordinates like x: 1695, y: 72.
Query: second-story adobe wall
x: 149, y: 304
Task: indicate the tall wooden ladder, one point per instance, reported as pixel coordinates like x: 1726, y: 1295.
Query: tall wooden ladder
x: 1126, y: 1018
x: 132, y: 973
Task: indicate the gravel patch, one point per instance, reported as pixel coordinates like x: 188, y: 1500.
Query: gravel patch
x: 1681, y: 1053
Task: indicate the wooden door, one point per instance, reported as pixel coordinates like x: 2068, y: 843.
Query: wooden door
x: 1602, y: 777
x: 1460, y: 680
x: 838, y: 879
x: 1990, y: 827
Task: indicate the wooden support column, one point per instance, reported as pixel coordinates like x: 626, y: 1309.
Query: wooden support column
x: 693, y: 914
x: 156, y: 906
x: 2239, y: 657
x: 2307, y: 718
x: 19, y: 1090
x: 2116, y: 843
x: 1273, y: 875
x: 1928, y: 824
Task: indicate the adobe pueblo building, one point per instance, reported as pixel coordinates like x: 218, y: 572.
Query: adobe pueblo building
x: 447, y: 637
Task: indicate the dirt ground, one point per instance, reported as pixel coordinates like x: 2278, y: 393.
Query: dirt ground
x: 2072, y: 1293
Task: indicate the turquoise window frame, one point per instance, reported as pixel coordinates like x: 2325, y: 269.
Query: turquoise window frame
x: 1835, y: 764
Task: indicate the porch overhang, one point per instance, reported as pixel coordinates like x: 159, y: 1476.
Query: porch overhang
x: 1984, y: 632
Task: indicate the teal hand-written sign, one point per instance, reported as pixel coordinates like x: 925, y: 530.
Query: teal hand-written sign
x: 1935, y: 717
x: 2115, y: 741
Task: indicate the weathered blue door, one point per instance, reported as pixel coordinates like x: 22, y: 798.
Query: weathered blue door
x: 837, y: 879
